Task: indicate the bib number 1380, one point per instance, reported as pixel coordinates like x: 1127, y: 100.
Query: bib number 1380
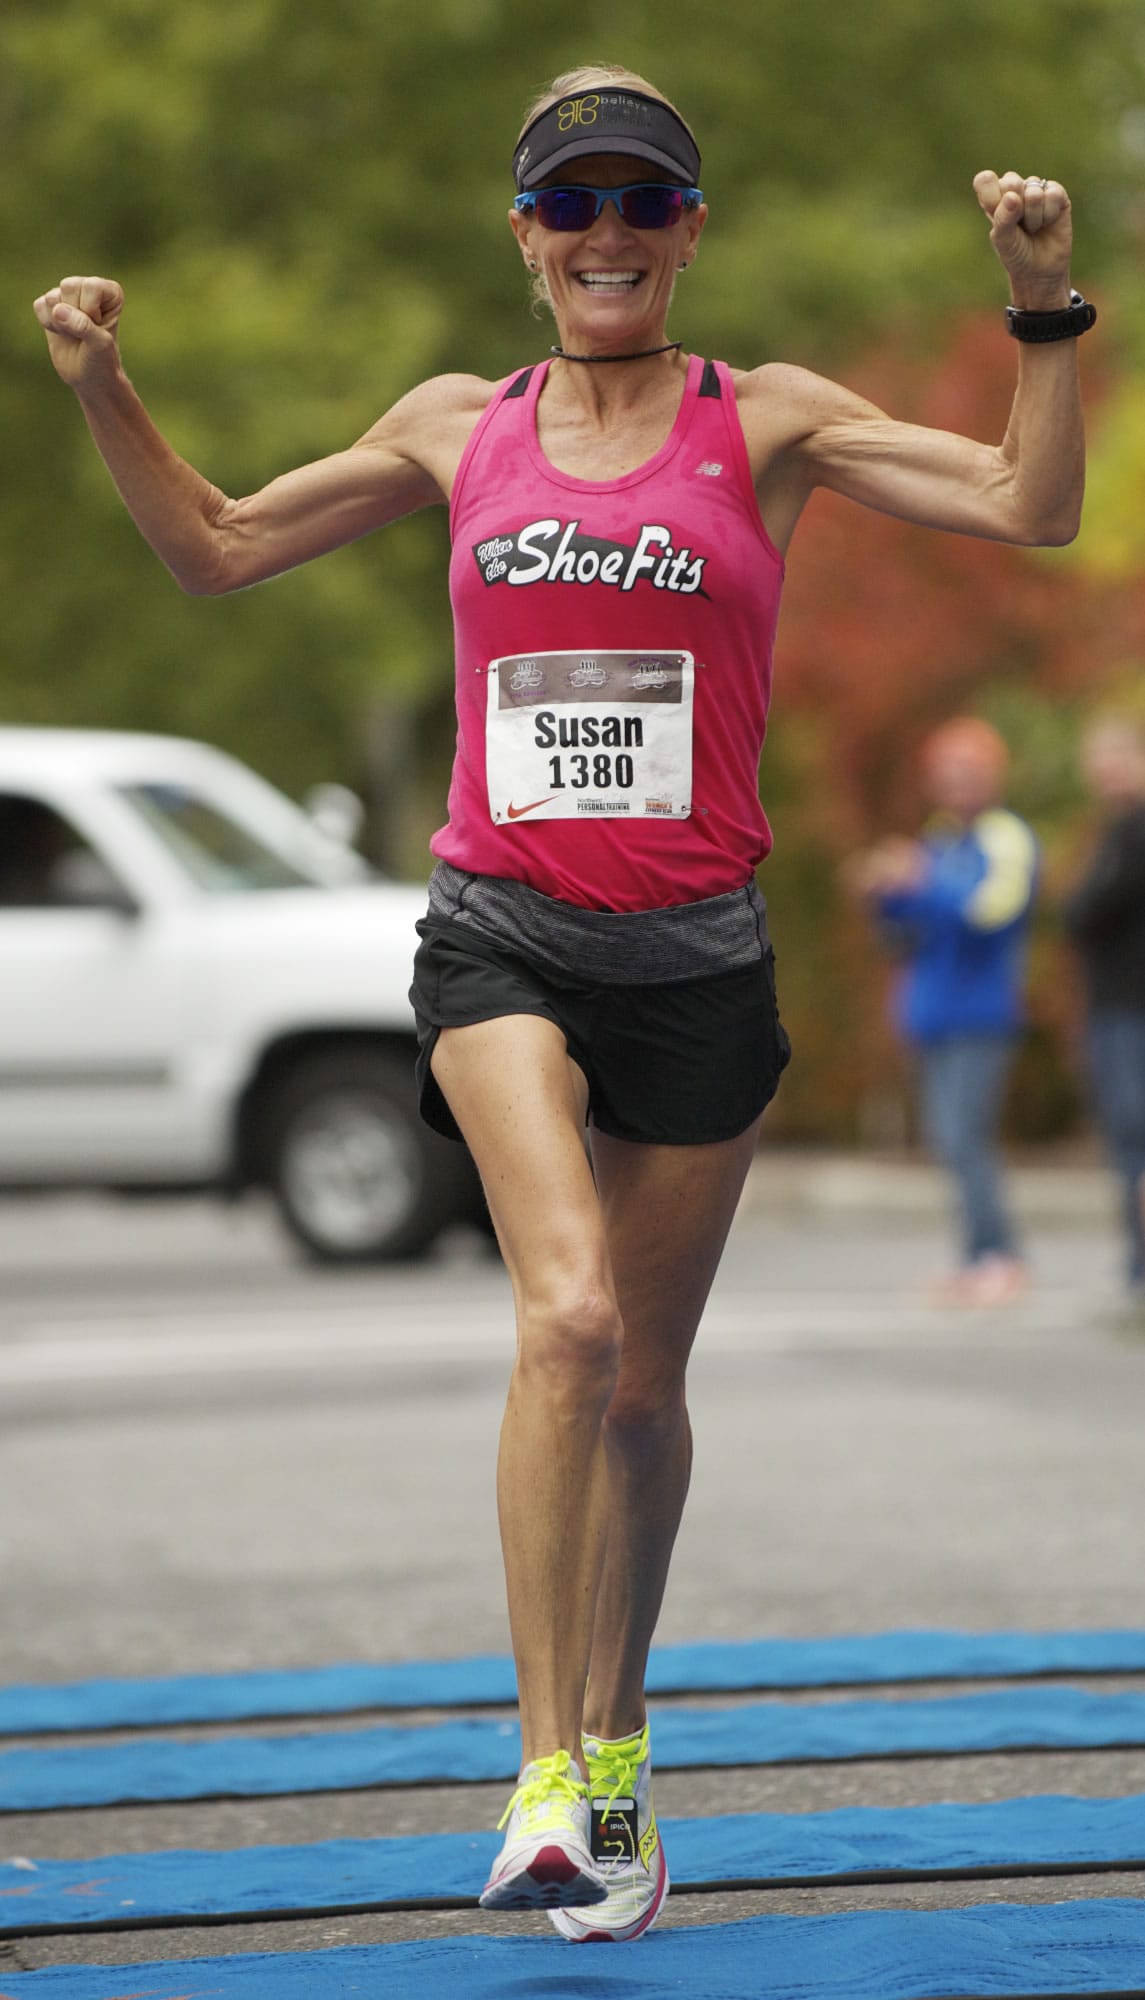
x: 578, y: 771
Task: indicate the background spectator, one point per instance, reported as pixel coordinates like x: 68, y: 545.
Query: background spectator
x: 1105, y: 916
x: 955, y: 905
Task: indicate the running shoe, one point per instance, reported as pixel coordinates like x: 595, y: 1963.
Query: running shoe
x: 626, y: 1845
x: 545, y: 1863
x: 997, y: 1281
x: 993, y: 1280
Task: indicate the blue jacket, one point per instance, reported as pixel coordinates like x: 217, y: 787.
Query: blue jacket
x: 963, y: 930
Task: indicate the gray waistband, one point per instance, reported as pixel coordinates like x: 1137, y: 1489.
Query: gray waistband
x: 618, y: 948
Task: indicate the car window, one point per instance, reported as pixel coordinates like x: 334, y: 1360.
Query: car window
x: 218, y: 853
x: 46, y: 863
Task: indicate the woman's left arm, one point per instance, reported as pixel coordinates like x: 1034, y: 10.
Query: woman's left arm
x: 1028, y: 489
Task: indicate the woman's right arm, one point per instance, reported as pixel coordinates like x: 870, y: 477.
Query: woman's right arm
x: 212, y: 544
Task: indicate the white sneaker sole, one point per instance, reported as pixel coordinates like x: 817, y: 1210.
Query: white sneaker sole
x: 596, y: 1929
x: 548, y: 1877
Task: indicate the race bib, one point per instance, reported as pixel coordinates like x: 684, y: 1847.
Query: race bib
x: 590, y: 735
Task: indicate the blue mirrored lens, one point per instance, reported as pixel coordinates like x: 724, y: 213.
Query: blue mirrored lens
x: 646, y: 205
x: 651, y: 207
x: 566, y: 208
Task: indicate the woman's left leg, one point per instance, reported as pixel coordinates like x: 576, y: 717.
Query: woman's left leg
x: 667, y: 1211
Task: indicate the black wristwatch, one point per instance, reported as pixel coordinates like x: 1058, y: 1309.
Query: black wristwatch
x: 1063, y: 324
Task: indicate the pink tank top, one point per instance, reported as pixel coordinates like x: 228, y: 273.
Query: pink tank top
x: 614, y: 641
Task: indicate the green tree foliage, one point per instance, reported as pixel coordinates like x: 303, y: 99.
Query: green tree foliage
x: 307, y: 209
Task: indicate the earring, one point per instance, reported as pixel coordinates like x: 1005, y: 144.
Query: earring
x: 682, y: 267
x: 533, y: 264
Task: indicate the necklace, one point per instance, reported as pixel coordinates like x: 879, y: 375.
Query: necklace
x: 668, y: 348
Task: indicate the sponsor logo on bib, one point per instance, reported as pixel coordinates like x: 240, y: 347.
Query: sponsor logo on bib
x: 649, y: 674
x: 518, y: 812
x: 588, y: 675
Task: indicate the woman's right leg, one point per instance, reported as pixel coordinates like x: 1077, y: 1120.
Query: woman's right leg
x: 520, y: 1102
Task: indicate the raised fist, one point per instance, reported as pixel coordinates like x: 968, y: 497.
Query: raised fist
x: 1031, y: 229
x: 80, y: 317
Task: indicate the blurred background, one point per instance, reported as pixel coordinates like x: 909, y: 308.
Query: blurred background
x: 307, y: 210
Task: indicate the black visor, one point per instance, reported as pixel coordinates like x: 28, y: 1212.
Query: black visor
x: 605, y: 121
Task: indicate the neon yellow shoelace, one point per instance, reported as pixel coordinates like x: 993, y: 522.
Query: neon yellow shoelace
x: 556, y: 1784
x: 616, y: 1765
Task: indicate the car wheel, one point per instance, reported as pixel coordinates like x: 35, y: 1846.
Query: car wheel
x: 356, y: 1175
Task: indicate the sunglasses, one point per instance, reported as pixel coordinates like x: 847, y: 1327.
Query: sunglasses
x: 642, y: 205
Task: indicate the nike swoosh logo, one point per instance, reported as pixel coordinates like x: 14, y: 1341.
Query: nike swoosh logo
x: 518, y: 812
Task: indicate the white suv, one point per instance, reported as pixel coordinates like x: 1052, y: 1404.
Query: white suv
x: 201, y: 988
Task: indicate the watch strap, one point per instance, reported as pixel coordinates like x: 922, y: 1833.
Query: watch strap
x: 1065, y: 323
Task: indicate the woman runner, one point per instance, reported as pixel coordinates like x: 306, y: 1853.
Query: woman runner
x: 595, y: 947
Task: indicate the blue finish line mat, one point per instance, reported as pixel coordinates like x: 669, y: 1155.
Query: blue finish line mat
x: 998, y: 1951
x: 749, y: 1850
x: 730, y: 1667
x: 486, y: 1750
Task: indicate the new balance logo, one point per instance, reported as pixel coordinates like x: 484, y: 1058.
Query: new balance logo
x: 710, y: 468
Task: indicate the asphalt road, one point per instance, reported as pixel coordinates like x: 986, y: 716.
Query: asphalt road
x: 214, y: 1457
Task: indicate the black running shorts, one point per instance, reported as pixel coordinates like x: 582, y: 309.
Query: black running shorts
x: 684, y: 1063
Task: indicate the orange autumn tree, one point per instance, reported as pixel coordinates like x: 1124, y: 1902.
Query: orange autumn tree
x: 887, y: 629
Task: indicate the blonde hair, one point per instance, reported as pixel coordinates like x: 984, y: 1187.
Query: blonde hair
x: 590, y: 76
